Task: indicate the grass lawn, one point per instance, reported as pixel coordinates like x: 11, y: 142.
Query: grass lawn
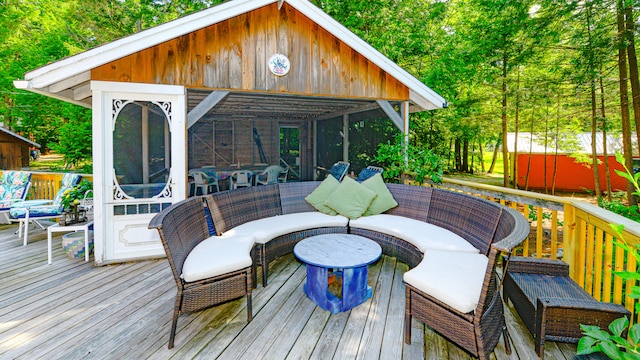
x: 55, y: 162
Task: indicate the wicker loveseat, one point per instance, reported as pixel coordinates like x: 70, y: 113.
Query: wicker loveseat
x: 426, y: 220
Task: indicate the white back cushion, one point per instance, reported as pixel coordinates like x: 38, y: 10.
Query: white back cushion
x: 266, y: 229
x: 422, y: 235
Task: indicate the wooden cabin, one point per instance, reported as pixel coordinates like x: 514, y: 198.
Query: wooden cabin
x: 244, y: 84
x: 14, y: 150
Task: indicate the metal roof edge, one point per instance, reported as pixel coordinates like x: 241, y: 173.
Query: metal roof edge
x: 5, y: 130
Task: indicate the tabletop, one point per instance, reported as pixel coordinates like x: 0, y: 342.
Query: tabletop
x: 337, y: 251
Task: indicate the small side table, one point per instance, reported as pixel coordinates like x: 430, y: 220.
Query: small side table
x: 349, y: 257
x: 551, y: 304
x: 75, y: 227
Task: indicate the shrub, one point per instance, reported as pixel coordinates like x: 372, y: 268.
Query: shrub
x: 400, y: 157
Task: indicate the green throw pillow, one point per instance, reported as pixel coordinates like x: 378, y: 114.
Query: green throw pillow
x: 384, y: 201
x: 321, y: 193
x: 350, y: 199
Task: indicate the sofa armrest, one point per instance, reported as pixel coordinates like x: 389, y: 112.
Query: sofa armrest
x: 582, y: 304
x: 532, y: 265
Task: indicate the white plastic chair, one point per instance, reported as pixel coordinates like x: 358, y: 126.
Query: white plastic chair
x: 269, y: 175
x: 241, y: 178
x: 284, y: 174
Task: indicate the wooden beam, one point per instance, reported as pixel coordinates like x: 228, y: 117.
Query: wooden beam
x: 204, y: 106
x: 392, y: 114
x: 82, y: 92
x: 367, y: 107
x: 280, y: 2
x: 70, y: 82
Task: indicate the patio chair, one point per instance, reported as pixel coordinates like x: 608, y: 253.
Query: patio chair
x: 339, y: 170
x: 368, y: 172
x: 28, y: 211
x: 204, y: 183
x: 241, y: 178
x: 269, y: 175
x: 476, y: 331
x: 182, y: 228
x: 284, y: 174
x: 14, y: 186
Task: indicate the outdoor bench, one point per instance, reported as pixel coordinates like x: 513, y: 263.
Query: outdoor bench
x: 450, y: 240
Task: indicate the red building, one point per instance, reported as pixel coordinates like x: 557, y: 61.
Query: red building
x: 571, y: 175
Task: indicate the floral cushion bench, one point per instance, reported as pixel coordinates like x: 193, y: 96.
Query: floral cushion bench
x: 14, y: 186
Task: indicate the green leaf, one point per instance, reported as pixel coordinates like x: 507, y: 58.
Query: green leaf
x: 587, y: 345
x: 617, y: 326
x: 634, y: 334
x: 598, y: 334
x: 627, y: 275
x: 611, y: 350
x: 586, y: 328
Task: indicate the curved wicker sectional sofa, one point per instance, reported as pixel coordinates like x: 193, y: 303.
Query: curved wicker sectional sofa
x: 469, y: 232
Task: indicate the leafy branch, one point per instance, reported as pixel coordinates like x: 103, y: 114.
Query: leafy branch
x: 402, y: 157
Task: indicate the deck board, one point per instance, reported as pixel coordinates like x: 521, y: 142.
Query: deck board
x: 71, y: 309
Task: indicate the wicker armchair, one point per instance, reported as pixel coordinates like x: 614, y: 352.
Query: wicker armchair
x: 478, y: 331
x: 182, y: 227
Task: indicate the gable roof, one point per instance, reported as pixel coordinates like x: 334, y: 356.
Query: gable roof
x: 11, y: 133
x: 68, y: 79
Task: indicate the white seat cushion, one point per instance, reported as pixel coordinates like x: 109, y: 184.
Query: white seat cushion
x: 454, y: 278
x: 422, y: 235
x: 217, y: 255
x: 266, y: 229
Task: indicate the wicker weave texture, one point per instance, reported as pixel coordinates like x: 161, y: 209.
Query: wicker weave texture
x: 553, y: 306
x: 413, y: 201
x: 178, y: 240
x: 202, y: 295
x: 292, y: 196
x: 267, y: 200
x: 529, y: 265
x: 472, y: 218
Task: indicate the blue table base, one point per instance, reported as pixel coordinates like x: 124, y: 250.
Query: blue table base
x: 355, y: 290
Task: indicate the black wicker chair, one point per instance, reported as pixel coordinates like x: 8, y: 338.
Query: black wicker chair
x: 183, y: 226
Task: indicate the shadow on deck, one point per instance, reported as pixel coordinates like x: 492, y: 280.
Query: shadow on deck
x: 73, y: 310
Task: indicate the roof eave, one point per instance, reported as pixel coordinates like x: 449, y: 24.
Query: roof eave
x: 26, y: 85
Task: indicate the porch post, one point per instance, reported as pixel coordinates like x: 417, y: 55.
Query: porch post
x: 404, y: 112
x: 315, y: 150
x: 345, y: 137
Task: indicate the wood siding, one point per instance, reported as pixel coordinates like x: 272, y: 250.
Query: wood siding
x: 14, y: 153
x: 233, y: 54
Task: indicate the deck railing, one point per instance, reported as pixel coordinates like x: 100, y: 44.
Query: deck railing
x: 574, y: 230
x: 45, y: 185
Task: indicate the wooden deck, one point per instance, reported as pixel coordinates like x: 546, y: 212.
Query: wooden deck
x: 73, y: 310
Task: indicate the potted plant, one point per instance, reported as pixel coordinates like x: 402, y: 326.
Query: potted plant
x: 71, y: 199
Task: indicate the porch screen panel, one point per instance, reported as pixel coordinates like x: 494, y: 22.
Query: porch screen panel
x: 141, y: 150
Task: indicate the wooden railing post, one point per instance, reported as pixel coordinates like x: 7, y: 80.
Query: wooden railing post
x: 570, y: 240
